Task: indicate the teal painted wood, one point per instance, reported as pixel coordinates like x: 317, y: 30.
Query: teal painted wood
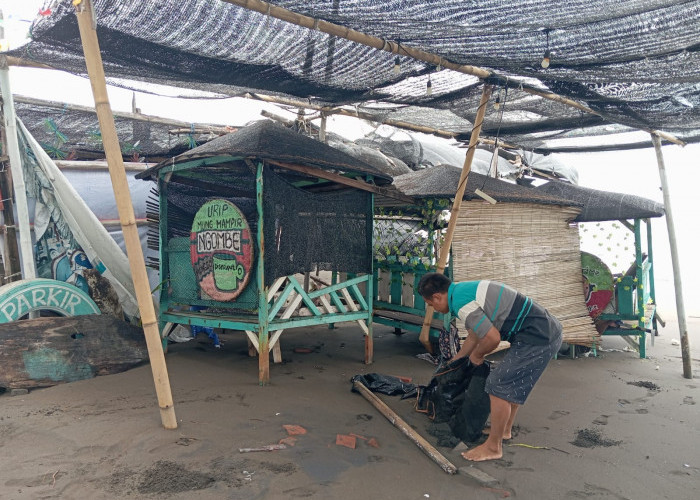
x: 262, y: 328
x: 194, y: 318
x: 280, y: 301
x: 338, y: 286
x: 640, y: 285
x: 304, y: 296
x: 317, y: 320
x: 162, y: 256
x: 358, y: 295
x: 650, y: 257
x: 337, y: 302
x: 398, y: 308
x: 396, y: 284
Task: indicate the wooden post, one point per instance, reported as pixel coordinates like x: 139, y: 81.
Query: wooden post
x: 408, y: 431
x: 10, y: 121
x: 445, y: 247
x: 263, y: 320
x: 93, y: 60
x: 680, y: 306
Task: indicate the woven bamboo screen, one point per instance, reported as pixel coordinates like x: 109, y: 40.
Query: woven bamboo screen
x: 533, y: 249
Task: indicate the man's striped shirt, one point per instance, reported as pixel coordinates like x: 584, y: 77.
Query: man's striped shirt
x: 483, y: 304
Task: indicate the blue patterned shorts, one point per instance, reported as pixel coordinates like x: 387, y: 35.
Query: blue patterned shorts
x: 514, y: 377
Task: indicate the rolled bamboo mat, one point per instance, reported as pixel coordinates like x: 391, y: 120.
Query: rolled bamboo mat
x: 532, y: 248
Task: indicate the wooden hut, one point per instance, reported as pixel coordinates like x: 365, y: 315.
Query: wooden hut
x: 241, y: 215
x: 527, y: 239
x: 631, y: 307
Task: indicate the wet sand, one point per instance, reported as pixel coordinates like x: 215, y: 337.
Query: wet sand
x: 607, y: 427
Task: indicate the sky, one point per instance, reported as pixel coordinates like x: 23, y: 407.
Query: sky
x: 634, y: 172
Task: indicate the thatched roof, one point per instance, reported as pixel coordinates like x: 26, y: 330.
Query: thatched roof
x: 603, y: 205
x: 442, y: 181
x: 267, y: 140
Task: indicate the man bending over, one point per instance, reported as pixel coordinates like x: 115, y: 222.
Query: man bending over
x: 492, y: 312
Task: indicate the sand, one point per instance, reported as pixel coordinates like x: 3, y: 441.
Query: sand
x: 607, y: 427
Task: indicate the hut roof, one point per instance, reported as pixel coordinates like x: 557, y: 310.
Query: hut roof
x: 268, y: 140
x: 603, y: 205
x: 442, y: 181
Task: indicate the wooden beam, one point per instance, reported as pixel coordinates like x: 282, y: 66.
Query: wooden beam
x: 406, y: 429
x: 330, y: 176
x: 93, y: 60
x: 311, y: 23
x: 461, y: 187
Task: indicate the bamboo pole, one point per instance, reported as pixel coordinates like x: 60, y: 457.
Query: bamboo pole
x: 123, y: 114
x: 454, y: 215
x: 10, y: 121
x: 93, y: 60
x: 446, y: 134
x: 407, y: 430
x: 680, y: 306
x: 420, y: 55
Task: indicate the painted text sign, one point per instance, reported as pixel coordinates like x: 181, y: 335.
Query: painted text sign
x: 221, y: 250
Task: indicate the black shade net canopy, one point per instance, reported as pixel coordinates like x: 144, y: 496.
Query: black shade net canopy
x: 634, y: 63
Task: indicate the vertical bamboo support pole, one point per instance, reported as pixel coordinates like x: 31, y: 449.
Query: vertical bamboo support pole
x: 680, y: 306
x: 93, y: 60
x: 263, y: 320
x: 10, y: 121
x: 445, y: 247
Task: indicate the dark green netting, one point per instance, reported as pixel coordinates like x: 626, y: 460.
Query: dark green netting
x: 304, y: 231
x: 636, y: 62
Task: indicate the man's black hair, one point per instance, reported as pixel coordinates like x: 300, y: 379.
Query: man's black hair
x: 432, y: 283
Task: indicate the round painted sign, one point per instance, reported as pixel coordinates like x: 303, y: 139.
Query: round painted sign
x: 221, y: 250
x: 598, y: 287
x: 41, y: 294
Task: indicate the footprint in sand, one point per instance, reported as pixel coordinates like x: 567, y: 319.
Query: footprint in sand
x: 688, y: 400
x: 602, y: 420
x: 558, y: 414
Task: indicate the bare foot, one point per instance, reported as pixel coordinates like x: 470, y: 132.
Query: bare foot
x: 487, y: 431
x: 482, y: 453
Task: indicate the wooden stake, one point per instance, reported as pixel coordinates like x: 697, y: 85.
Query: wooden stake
x: 93, y: 60
x: 408, y: 431
x: 454, y: 215
x: 680, y: 306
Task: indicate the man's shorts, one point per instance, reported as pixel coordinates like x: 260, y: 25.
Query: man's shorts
x: 514, y: 377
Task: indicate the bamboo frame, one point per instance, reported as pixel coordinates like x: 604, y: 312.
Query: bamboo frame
x: 680, y: 305
x: 93, y: 60
x: 463, y: 178
x: 20, y: 192
x: 325, y: 110
x: 311, y: 23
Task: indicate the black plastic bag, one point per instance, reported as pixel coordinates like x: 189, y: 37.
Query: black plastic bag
x: 468, y: 421
x: 386, y: 384
x: 456, y: 395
